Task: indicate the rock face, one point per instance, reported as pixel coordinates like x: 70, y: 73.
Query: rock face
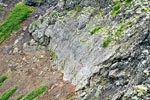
x: 111, y: 62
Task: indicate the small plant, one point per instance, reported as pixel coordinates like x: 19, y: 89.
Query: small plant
x: 127, y: 1
x: 52, y: 54
x: 107, y: 41
x: 5, y: 95
x: 1, y: 9
x: 20, y: 97
x: 34, y: 93
x: 42, y: 20
x: 63, y: 66
x: 28, y: 43
x: 33, y: 25
x: 77, y: 8
x: 95, y: 30
x: 121, y: 27
x: 19, y: 13
x: 2, y: 79
x: 116, y: 7
x: 55, y: 13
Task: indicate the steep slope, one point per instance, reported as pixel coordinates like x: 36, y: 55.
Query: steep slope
x: 101, y: 46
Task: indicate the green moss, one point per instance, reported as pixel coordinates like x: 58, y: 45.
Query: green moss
x: 116, y: 7
x: 19, y: 13
x: 107, y: 41
x: 33, y: 25
x: 95, y: 30
x: 34, y: 93
x: 5, y: 95
x: 2, y: 79
x: 20, y: 97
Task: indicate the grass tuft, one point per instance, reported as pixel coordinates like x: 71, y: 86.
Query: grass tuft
x: 34, y: 93
x: 5, y: 95
x: 19, y: 13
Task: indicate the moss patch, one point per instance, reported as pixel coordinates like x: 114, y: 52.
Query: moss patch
x: 5, y: 95
x: 34, y: 93
x: 19, y: 13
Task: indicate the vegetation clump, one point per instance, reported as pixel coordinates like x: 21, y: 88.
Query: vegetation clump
x: 2, y: 79
x: 95, y: 30
x: 19, y: 13
x: 5, y: 95
x: 34, y: 93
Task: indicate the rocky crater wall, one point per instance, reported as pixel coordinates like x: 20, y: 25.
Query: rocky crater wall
x: 104, y: 54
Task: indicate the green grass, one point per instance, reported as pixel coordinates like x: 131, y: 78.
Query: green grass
x: 19, y: 13
x: 34, y: 93
x: 107, y: 41
x: 5, y: 95
x: 116, y: 7
x: 95, y: 30
x: 20, y: 97
x: 2, y: 79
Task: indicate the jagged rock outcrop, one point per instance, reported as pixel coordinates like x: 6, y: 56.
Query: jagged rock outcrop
x: 105, y: 55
